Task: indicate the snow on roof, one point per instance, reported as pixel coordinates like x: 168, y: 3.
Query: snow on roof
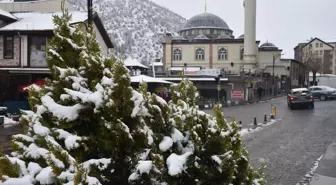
x: 129, y: 62
x: 148, y: 79
x: 157, y: 63
x: 7, y: 14
x: 40, y: 20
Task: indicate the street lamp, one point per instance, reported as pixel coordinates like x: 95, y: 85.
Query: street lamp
x: 275, y: 56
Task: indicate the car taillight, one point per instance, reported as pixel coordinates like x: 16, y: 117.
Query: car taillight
x: 291, y: 98
x: 310, y: 97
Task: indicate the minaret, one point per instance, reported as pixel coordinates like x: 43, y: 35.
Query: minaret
x: 250, y: 31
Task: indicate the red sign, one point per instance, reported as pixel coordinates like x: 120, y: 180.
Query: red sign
x: 237, y: 94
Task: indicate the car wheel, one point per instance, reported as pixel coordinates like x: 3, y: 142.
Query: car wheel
x: 291, y: 107
x: 323, y: 97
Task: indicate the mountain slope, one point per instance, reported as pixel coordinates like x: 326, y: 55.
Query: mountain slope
x: 136, y: 27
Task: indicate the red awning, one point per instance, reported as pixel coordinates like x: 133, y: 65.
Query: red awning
x: 25, y: 87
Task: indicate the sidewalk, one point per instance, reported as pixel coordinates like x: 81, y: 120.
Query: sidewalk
x: 6, y: 134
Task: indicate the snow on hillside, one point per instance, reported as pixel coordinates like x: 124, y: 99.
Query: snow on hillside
x: 136, y: 27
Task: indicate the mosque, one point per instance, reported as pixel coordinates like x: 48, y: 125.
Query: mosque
x: 207, y: 42
x: 207, y: 47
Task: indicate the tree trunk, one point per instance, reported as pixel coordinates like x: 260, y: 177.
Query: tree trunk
x: 314, y: 78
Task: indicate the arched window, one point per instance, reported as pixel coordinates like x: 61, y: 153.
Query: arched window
x: 177, y: 54
x: 199, y: 54
x: 242, y: 54
x: 222, y: 54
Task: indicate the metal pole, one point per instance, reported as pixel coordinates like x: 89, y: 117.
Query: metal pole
x: 89, y: 11
x: 273, y: 83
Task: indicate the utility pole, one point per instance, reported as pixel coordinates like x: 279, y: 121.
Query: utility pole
x: 89, y: 4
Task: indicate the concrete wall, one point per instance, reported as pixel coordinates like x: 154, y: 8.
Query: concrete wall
x: 211, y: 56
x: 36, y: 6
x: 266, y: 58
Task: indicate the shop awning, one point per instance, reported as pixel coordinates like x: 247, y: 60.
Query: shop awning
x: 36, y: 84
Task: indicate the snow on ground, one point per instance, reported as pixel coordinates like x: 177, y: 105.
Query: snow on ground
x: 9, y: 122
x: 259, y: 127
x: 308, y: 177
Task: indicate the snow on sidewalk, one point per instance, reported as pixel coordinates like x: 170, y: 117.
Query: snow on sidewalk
x: 8, y: 122
x: 308, y: 177
x: 259, y: 127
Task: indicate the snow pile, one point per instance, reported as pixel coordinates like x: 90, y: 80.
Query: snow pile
x: 308, y: 177
x: 8, y: 121
x: 259, y: 127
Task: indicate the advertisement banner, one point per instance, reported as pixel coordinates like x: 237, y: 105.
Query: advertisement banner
x: 237, y: 94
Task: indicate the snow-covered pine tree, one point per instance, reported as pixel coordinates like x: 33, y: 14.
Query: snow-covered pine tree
x: 87, y: 125
x: 208, y: 150
x: 65, y: 113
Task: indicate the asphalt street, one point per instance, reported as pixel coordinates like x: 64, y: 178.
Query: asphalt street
x: 290, y: 146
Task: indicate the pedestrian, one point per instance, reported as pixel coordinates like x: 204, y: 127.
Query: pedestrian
x: 259, y: 92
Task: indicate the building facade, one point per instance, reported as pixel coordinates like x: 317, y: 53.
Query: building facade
x: 23, y: 42
x: 317, y: 48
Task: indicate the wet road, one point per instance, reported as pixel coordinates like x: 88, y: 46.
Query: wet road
x: 289, y: 147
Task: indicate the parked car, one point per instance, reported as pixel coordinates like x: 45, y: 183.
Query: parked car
x: 323, y: 92
x: 325, y: 172
x: 300, y: 96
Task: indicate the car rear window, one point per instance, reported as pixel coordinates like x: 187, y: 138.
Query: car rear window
x: 298, y: 93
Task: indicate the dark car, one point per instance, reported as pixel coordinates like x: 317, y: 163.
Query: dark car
x: 300, y: 97
x: 323, y: 92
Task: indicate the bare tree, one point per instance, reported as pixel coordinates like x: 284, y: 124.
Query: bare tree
x: 313, y: 62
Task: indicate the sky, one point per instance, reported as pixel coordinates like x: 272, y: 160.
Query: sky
x: 284, y: 23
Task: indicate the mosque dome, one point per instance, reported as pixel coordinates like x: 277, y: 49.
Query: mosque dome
x: 268, y: 46
x: 208, y: 24
x: 241, y: 36
x: 206, y: 20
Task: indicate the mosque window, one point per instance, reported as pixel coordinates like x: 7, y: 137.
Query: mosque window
x: 177, y: 54
x: 321, y: 45
x: 215, y: 32
x: 199, y: 32
x: 241, y: 53
x: 222, y: 54
x: 208, y: 31
x: 193, y: 32
x: 199, y: 54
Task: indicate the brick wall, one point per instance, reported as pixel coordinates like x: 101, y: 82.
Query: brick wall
x: 16, y: 59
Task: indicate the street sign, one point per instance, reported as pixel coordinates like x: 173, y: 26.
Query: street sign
x: 218, y: 87
x: 237, y: 94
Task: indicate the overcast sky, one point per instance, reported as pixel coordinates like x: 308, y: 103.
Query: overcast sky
x: 285, y: 23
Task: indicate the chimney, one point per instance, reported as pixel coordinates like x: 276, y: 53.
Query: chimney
x: 250, y: 31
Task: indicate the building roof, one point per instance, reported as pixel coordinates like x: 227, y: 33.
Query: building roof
x: 43, y: 21
x: 205, y: 20
x: 148, y: 79
x: 6, y: 16
x: 318, y: 40
x: 129, y: 62
x: 39, y: 21
x: 201, y: 37
x: 241, y: 36
x: 224, y: 36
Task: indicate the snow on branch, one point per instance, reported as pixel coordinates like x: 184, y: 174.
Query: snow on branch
x: 69, y: 113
